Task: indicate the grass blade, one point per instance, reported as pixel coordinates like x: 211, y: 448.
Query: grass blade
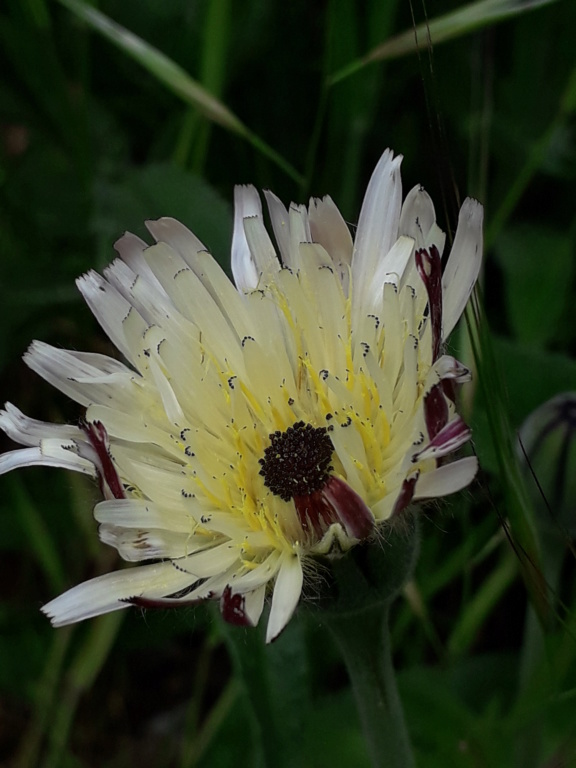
x: 519, y: 515
x: 455, y: 24
x: 175, y: 78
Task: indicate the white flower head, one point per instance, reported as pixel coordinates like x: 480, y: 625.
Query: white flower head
x: 257, y: 425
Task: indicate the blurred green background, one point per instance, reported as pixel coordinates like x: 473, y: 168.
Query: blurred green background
x: 98, y: 133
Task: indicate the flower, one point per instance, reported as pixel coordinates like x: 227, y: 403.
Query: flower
x: 260, y: 424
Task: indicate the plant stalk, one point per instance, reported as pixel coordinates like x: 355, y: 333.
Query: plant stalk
x: 364, y: 640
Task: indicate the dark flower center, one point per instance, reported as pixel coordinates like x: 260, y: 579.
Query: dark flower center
x: 297, y: 461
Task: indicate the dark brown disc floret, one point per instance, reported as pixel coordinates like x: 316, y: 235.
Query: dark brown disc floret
x: 297, y: 461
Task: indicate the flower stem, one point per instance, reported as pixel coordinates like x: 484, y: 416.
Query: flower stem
x: 364, y: 640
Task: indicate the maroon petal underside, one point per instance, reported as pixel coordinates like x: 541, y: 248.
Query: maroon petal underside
x: 351, y: 510
x: 336, y: 502
x: 406, y: 494
x: 110, y: 483
x: 456, y: 432
x: 449, y: 389
x: 435, y: 410
x: 314, y: 512
x: 429, y: 266
x: 233, y: 608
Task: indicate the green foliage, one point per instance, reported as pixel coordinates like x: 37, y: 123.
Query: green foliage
x: 124, y: 204
x: 545, y: 267
x: 114, y: 113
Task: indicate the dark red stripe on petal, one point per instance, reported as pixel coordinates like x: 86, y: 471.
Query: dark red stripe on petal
x: 429, y: 266
x: 451, y: 437
x: 110, y: 483
x: 350, y: 509
x: 315, y: 513
x: 233, y: 608
x: 449, y: 388
x: 435, y: 410
x: 455, y: 430
x: 406, y: 494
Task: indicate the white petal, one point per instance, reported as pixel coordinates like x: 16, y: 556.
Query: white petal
x: 106, y: 593
x: 329, y: 229
x: 131, y: 250
x: 259, y: 576
x: 130, y: 247
x: 37, y: 457
x: 299, y: 229
x: 447, y: 367
x: 246, y: 203
x: 389, y: 270
x: 140, y: 513
x: 26, y: 431
x: 108, y: 306
x: 209, y: 272
x: 382, y: 510
x: 122, y: 277
x: 286, y: 595
x: 378, y: 224
x: 210, y: 562
x: 222, y: 290
x: 280, y: 224
x: 463, y: 264
x: 86, y: 378
x: 447, y: 479
x: 168, y: 230
x: 68, y: 455
x: 170, y: 402
x: 310, y: 257
x: 436, y: 237
x: 261, y: 247
x: 137, y: 544
x: 418, y: 216
x: 254, y: 604
x: 142, y: 292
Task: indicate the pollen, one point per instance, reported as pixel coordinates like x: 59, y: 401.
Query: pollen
x: 297, y: 461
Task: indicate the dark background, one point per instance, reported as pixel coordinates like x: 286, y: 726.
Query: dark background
x: 92, y: 144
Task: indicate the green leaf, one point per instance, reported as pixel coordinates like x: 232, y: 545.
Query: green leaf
x: 174, y: 78
x: 538, y: 270
x: 438, y: 719
x: 480, y: 606
x: 162, y: 190
x: 333, y: 736
x: 531, y: 376
x: 461, y: 22
x: 548, y: 373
